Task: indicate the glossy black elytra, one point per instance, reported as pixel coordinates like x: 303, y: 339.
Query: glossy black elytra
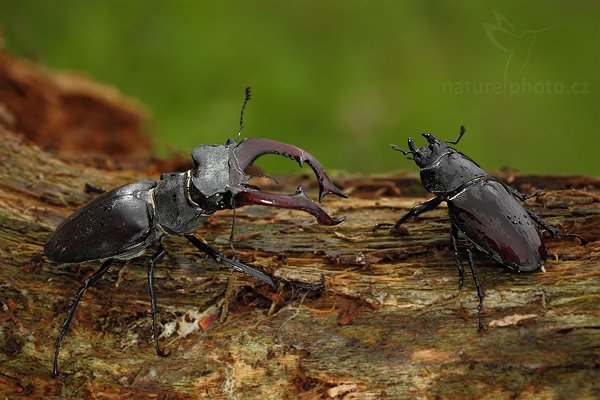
x: 483, y: 208
x: 124, y: 222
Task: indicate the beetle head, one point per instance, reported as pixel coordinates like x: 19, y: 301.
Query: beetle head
x: 428, y: 154
x: 218, y: 180
x: 213, y: 181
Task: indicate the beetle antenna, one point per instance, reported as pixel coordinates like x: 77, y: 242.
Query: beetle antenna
x: 406, y: 153
x: 460, y: 134
x: 248, y: 97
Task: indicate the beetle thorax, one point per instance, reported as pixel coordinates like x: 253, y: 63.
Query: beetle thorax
x: 449, y: 171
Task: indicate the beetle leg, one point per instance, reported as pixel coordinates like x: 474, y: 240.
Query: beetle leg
x: 480, y: 291
x: 237, y: 266
x: 524, y: 197
x: 415, y: 211
x: 540, y: 221
x: 254, y: 273
x: 515, y: 192
x: 380, y: 225
x: 454, y: 240
x: 250, y: 149
x: 86, y: 284
x: 520, y: 195
x: 90, y: 188
x: 555, y: 232
x: 307, y: 286
x: 298, y: 201
x: 419, y: 209
x: 156, y: 257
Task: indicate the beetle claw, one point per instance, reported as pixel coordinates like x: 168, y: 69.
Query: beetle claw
x: 298, y: 201
x: 250, y: 149
x: 573, y: 235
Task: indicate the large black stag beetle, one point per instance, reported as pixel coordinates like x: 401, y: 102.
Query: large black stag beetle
x: 483, y: 208
x: 124, y: 222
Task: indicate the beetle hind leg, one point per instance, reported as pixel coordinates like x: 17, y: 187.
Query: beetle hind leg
x: 156, y: 257
x: 73, y: 305
x: 480, y: 291
x: 555, y: 232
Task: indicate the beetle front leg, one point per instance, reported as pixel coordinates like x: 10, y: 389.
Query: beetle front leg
x: 454, y: 241
x: 238, y: 267
x: 415, y: 211
x: 480, y: 291
x: 156, y: 257
x: 86, y: 284
x: 254, y: 273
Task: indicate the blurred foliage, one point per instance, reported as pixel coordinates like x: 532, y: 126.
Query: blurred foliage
x: 342, y: 79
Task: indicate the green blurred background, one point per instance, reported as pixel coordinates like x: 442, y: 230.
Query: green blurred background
x: 342, y: 79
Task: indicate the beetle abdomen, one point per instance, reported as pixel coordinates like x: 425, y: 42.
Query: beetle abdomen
x: 114, y: 224
x: 493, y: 220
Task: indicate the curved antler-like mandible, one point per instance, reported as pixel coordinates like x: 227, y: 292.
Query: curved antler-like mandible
x: 298, y: 201
x: 250, y: 149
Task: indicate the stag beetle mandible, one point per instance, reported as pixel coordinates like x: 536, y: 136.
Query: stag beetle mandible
x: 124, y: 222
x: 483, y: 208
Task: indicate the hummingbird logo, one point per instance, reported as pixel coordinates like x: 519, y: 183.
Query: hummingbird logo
x: 518, y: 45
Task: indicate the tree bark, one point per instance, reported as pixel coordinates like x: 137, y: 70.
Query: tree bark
x: 390, y: 324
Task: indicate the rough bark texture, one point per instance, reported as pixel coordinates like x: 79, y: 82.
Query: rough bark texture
x: 390, y: 324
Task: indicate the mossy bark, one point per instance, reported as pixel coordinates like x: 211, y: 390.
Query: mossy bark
x: 390, y: 324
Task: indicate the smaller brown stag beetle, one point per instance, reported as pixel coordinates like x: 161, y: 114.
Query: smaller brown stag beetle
x: 124, y: 222
x: 483, y: 208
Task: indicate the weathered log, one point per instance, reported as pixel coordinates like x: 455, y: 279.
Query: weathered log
x: 65, y: 112
x: 390, y: 324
